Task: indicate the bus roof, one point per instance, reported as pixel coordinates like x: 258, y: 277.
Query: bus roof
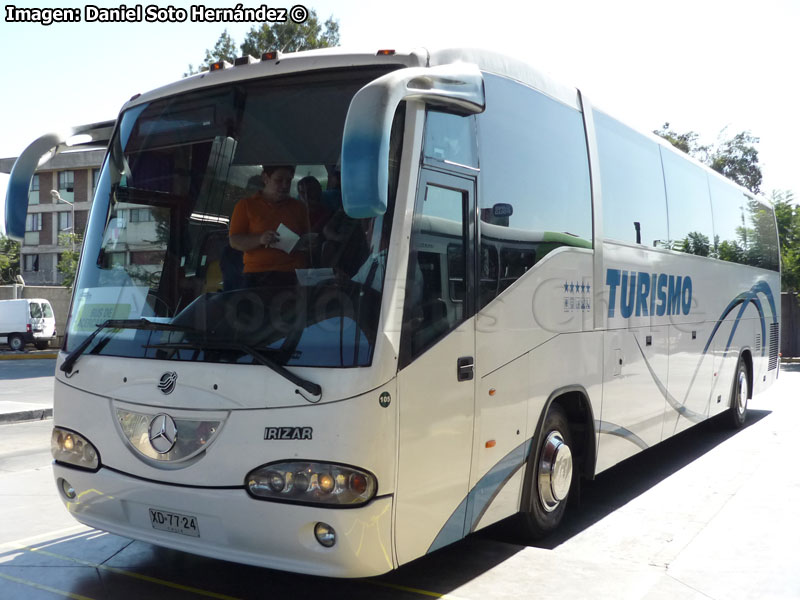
x: 332, y: 58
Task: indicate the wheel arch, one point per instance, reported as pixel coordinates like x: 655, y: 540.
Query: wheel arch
x: 574, y: 400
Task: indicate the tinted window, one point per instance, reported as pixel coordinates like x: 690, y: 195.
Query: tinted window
x: 761, y: 244
x: 436, y: 285
x: 632, y: 184
x: 727, y: 203
x: 450, y: 138
x: 744, y: 229
x: 534, y: 182
x: 690, y: 226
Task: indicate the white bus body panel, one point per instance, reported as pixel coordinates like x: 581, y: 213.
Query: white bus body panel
x: 235, y: 527
x: 653, y: 392
x: 356, y: 431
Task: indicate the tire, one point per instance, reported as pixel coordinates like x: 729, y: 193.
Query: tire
x: 551, y: 476
x: 41, y: 345
x: 16, y: 342
x: 740, y: 390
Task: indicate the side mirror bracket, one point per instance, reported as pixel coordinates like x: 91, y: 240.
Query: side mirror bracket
x: 37, y: 153
x: 365, y: 146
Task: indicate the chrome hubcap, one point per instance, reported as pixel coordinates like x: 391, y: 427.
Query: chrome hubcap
x: 555, y: 471
x: 741, y: 396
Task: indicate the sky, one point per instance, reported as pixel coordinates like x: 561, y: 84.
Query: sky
x: 701, y: 65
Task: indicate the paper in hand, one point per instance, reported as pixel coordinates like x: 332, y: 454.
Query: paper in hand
x: 288, y: 239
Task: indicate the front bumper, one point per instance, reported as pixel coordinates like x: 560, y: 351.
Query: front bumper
x: 235, y: 527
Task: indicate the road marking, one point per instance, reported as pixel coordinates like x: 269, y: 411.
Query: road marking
x: 45, y: 588
x: 147, y: 578
x: 30, y: 544
x: 35, y: 539
x: 404, y: 588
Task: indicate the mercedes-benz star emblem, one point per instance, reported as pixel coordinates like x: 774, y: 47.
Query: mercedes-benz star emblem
x: 163, y: 433
x: 167, y: 382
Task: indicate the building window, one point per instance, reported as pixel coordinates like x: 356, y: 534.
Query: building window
x: 141, y: 215
x: 95, y: 179
x: 66, y: 181
x: 33, y: 194
x: 64, y: 221
x: 31, y: 262
x: 33, y: 222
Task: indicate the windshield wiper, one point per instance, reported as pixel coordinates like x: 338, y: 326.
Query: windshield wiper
x: 309, y: 386
x: 142, y: 323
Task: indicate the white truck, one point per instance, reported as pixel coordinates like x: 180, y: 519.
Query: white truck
x: 27, y: 321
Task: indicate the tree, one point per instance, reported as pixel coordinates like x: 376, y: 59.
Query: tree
x: 68, y: 261
x: 291, y: 36
x: 687, y: 142
x: 285, y: 37
x: 736, y: 157
x: 9, y: 260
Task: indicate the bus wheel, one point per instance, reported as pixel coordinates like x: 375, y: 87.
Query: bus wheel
x: 552, y: 476
x: 740, y: 390
x: 16, y: 342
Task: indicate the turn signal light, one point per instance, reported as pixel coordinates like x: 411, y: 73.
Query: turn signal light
x: 385, y: 53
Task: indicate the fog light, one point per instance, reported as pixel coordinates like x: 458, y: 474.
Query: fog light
x: 325, y: 534
x: 68, y: 490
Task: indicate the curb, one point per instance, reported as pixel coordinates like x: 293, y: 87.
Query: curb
x: 27, y: 355
x: 39, y: 414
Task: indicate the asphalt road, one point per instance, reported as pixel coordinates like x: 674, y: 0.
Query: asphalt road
x: 708, y: 514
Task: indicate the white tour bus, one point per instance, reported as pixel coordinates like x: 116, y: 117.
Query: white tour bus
x: 514, y: 291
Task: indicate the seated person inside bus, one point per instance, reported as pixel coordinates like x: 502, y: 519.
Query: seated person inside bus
x: 255, y: 225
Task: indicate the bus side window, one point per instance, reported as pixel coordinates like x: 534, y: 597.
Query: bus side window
x: 534, y: 193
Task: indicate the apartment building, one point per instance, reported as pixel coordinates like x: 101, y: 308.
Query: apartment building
x: 73, y: 175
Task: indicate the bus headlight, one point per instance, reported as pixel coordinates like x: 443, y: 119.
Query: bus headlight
x: 312, y: 483
x: 73, y: 449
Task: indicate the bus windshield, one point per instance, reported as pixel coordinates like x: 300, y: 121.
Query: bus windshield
x: 159, y: 242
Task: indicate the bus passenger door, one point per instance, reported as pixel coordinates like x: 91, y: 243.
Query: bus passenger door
x: 436, y: 378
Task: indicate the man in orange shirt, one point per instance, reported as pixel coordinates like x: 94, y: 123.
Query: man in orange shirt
x: 254, y: 225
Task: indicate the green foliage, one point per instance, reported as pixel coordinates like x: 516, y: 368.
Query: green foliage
x: 68, y: 262
x: 285, y: 37
x: 9, y: 260
x: 730, y: 250
x: 760, y: 240
x: 737, y: 159
x: 696, y: 243
x: 291, y: 36
x: 686, y: 142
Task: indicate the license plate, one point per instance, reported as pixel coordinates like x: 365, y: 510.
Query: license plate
x: 173, y: 522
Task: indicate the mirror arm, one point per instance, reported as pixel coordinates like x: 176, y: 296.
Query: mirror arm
x: 365, y: 146
x: 37, y: 153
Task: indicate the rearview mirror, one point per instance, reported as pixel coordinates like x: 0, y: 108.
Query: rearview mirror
x: 365, y: 145
x: 37, y: 153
